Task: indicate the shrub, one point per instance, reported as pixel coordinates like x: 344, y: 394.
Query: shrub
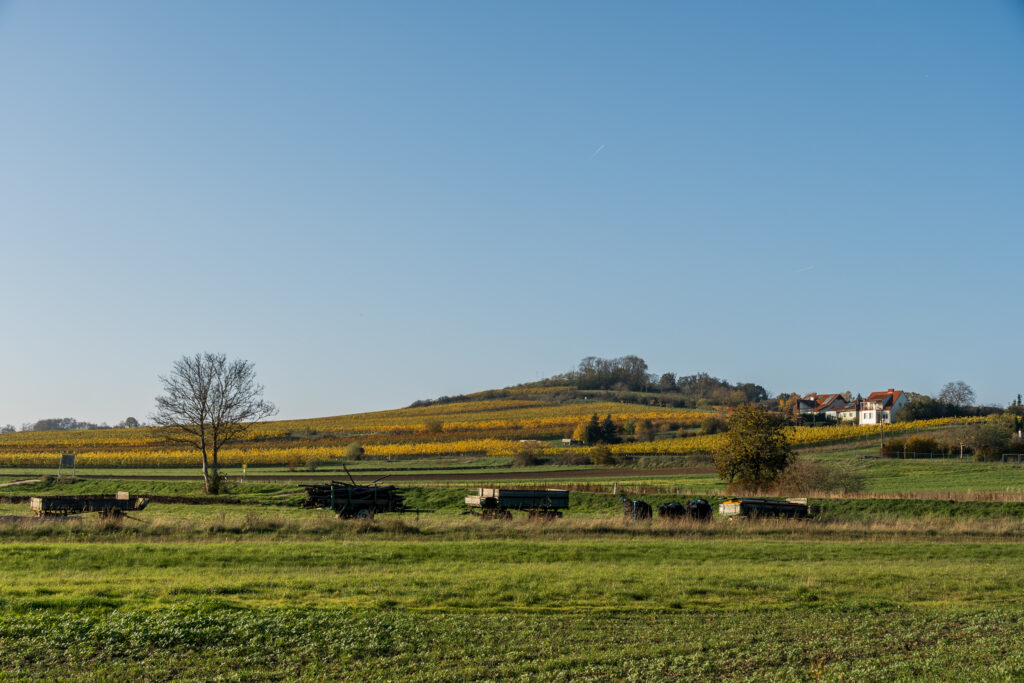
x: 803, y: 477
x: 922, y: 445
x: 991, y: 439
x: 354, y: 451
x: 713, y: 425
x: 645, y: 430
x: 312, y: 464
x: 433, y: 426
x: 526, y: 455
x: 577, y: 456
x: 216, y: 483
x: 601, y: 455
x: 893, y: 448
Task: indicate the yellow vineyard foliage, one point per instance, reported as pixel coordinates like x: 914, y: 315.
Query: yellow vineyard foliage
x: 269, y: 455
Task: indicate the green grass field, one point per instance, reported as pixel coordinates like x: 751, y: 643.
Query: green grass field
x: 447, y: 609
x: 260, y: 589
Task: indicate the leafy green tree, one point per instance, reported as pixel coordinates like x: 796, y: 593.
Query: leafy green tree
x: 755, y: 450
x: 609, y: 430
x: 592, y: 432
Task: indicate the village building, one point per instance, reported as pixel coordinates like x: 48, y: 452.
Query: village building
x: 878, y: 408
x: 821, y: 405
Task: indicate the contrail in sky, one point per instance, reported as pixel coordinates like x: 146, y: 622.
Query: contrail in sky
x: 805, y: 269
x: 598, y: 151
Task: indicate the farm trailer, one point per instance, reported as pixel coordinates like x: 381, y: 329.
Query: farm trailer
x: 351, y: 500
x: 499, y: 503
x: 796, y: 508
x: 108, y: 506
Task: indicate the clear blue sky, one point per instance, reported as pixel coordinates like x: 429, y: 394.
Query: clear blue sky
x: 379, y: 202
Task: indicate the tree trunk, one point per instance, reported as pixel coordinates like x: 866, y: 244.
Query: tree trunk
x: 206, y: 472
x: 216, y: 471
x: 206, y: 477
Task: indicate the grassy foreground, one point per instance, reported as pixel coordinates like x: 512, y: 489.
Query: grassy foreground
x: 618, y: 607
x: 804, y: 643
x: 260, y: 589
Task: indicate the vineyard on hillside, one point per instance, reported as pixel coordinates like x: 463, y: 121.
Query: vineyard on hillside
x: 477, y: 425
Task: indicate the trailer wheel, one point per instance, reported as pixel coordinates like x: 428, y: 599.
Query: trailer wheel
x: 364, y: 514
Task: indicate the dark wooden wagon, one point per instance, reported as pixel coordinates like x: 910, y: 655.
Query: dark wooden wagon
x: 351, y: 500
x: 106, y: 505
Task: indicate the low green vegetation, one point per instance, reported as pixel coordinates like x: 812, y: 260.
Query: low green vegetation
x: 252, y: 587
x: 207, y: 642
x: 617, y: 608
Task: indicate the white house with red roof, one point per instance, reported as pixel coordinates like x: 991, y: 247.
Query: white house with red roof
x: 878, y: 408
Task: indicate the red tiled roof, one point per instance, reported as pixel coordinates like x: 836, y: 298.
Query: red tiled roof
x: 886, y: 398
x: 827, y: 400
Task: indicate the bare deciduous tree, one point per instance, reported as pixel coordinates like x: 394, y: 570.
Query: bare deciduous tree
x: 207, y: 403
x: 957, y: 394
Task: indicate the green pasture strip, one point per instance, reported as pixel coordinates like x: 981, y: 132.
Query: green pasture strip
x: 894, y: 476
x: 268, y: 492
x: 209, y: 642
x: 837, y: 452
x: 512, y: 575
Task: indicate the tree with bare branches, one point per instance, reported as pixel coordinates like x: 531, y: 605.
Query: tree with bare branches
x: 208, y: 402
x: 957, y: 394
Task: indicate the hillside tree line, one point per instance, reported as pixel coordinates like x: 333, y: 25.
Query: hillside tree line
x: 631, y: 373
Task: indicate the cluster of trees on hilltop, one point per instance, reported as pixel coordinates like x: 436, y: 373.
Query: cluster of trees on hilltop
x: 631, y: 378
x: 56, y: 424
x: 631, y: 373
